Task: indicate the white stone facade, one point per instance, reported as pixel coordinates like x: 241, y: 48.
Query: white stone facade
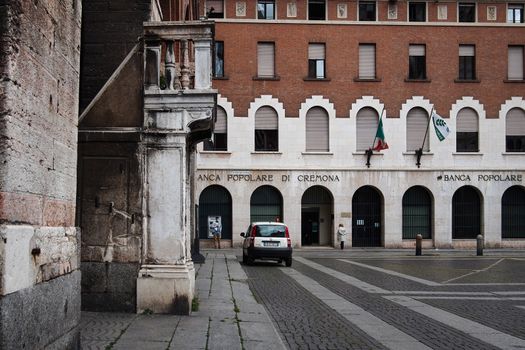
x: 392, y: 171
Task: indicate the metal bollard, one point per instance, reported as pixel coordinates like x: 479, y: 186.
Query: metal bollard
x: 479, y: 244
x: 419, y: 242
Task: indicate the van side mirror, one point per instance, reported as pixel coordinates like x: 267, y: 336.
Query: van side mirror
x: 242, y: 234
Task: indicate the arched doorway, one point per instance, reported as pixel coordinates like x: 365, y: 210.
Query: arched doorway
x: 215, y: 201
x: 316, y: 216
x: 513, y: 213
x: 266, y: 204
x: 417, y: 213
x: 366, y: 217
x: 466, y: 213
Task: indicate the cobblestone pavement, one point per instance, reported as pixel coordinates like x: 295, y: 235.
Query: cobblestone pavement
x: 448, y: 301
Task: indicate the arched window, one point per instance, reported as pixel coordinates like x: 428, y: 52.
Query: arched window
x: 417, y: 209
x: 467, y: 126
x: 466, y: 213
x: 219, y: 141
x: 366, y: 128
x: 515, y: 130
x: 266, y: 129
x: 417, y: 122
x: 317, y: 136
x: 513, y: 213
x: 215, y: 201
x: 266, y: 204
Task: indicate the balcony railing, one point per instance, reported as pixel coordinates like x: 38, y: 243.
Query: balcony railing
x: 177, y: 55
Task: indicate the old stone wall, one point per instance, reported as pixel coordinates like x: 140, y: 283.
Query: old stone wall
x: 110, y: 29
x: 39, y: 244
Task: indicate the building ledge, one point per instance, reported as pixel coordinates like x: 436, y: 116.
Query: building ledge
x: 468, y: 81
x: 367, y: 80
x: 275, y: 78
x: 267, y: 152
x: 514, y: 81
x: 413, y: 153
x: 363, y: 153
x: 317, y: 153
x: 221, y: 78
x: 467, y: 153
x: 316, y: 79
x: 408, y: 80
x: 513, y: 153
x: 215, y: 152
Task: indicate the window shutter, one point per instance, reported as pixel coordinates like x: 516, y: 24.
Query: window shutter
x: 367, y: 121
x: 367, y: 61
x: 516, y: 122
x: 265, y: 59
x: 467, y: 120
x: 416, y: 50
x: 467, y: 50
x: 266, y: 119
x: 316, y: 52
x: 216, y: 4
x: 515, y: 70
x: 220, y: 124
x: 317, y: 136
x: 417, y: 121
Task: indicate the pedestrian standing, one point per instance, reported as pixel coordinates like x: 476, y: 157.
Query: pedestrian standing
x: 341, y: 233
x: 216, y: 230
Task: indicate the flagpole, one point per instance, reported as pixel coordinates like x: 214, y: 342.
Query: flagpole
x: 419, y: 152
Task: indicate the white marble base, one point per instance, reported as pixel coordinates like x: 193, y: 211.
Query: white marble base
x: 167, y: 289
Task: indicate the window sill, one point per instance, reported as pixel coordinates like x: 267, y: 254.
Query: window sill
x: 413, y: 153
x: 215, y: 152
x: 467, y: 81
x: 363, y: 153
x: 316, y: 79
x: 513, y: 153
x: 408, y: 80
x: 307, y: 153
x: 221, y: 78
x: 514, y: 81
x: 467, y: 153
x: 367, y: 80
x: 266, y: 152
x: 275, y: 78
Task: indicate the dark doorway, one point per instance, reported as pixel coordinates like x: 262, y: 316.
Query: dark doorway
x: 513, y: 213
x: 417, y: 213
x: 366, y: 221
x: 466, y: 213
x: 310, y: 226
x: 317, y: 216
x: 266, y: 204
x: 215, y: 201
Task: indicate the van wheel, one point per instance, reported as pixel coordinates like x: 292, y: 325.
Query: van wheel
x: 249, y: 260
x: 288, y: 262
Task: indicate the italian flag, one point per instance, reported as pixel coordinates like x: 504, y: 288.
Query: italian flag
x: 379, y: 141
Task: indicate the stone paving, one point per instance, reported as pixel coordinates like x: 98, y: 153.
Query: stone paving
x: 328, y: 299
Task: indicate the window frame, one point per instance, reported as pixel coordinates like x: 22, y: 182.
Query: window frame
x: 425, y: 16
x: 464, y: 62
x: 362, y: 77
x: 462, y: 137
x: 274, y: 76
x: 216, y: 14
x: 313, y: 72
x: 318, y: 3
x: 521, y: 10
x: 464, y: 4
x: 522, y: 78
x: 265, y: 3
x: 366, y: 2
x: 266, y: 135
x: 216, y: 59
x: 516, y: 139
x: 220, y: 138
x: 415, y: 64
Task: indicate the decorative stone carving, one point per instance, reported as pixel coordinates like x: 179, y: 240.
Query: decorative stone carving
x: 442, y: 12
x: 492, y: 13
x: 392, y: 11
x: 342, y: 11
x: 240, y: 9
x: 291, y: 9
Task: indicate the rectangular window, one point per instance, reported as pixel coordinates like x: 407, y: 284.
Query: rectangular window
x: 515, y: 65
x: 266, y: 9
x: 218, y: 67
x: 417, y: 11
x: 316, y: 61
x: 215, y: 8
x: 515, y: 13
x: 219, y: 140
x: 417, y: 62
x: 367, y: 10
x: 367, y: 61
x: 467, y: 62
x: 317, y: 10
x: 266, y: 60
x: 467, y: 12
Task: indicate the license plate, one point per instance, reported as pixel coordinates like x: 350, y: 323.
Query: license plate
x: 270, y: 244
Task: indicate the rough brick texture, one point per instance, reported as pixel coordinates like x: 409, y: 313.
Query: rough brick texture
x: 110, y: 29
x: 39, y: 70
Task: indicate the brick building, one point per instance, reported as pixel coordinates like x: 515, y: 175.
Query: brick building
x: 302, y: 86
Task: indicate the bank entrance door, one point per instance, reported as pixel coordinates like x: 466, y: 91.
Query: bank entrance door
x: 366, y: 221
x: 310, y: 226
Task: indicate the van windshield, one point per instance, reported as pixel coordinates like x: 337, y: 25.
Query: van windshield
x: 270, y: 231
